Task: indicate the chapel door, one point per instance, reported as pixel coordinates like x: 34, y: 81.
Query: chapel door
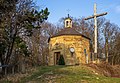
x: 56, y: 58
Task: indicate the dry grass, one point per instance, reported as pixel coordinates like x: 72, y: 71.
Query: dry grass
x: 106, y: 69
x: 92, y: 73
x: 17, y: 77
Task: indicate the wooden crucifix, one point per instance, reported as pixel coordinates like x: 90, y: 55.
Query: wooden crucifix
x: 95, y: 28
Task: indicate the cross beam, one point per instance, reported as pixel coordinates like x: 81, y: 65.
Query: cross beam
x: 95, y: 26
x: 98, y: 15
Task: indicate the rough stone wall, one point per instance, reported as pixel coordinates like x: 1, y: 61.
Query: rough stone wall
x: 63, y: 44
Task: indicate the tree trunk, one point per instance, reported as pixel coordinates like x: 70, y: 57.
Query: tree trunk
x: 2, y: 63
x: 22, y: 65
x: 11, y: 48
x: 113, y: 60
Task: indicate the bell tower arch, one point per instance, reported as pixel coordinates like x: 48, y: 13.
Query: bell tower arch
x: 68, y: 22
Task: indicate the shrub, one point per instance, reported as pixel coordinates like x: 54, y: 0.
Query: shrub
x: 61, y: 60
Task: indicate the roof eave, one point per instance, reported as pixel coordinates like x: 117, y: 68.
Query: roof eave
x: 71, y: 35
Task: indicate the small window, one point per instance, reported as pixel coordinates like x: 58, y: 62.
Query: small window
x: 66, y: 23
x: 85, y: 51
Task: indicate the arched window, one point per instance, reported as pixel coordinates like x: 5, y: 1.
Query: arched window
x: 66, y: 23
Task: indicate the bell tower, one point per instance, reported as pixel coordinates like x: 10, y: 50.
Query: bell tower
x: 68, y: 22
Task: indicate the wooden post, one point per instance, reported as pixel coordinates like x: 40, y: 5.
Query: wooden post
x: 5, y: 71
x: 13, y: 70
x: 95, y: 29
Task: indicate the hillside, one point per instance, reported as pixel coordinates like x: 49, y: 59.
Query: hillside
x: 64, y: 74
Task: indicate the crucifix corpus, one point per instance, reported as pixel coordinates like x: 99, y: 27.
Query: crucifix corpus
x: 95, y: 28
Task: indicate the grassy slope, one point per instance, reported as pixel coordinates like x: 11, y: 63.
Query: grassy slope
x: 67, y: 74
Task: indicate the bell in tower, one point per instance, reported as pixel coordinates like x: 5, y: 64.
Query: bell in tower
x: 68, y: 22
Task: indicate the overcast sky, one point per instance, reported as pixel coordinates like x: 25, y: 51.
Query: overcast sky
x: 81, y: 8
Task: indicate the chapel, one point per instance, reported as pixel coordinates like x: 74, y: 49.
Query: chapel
x: 68, y: 46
